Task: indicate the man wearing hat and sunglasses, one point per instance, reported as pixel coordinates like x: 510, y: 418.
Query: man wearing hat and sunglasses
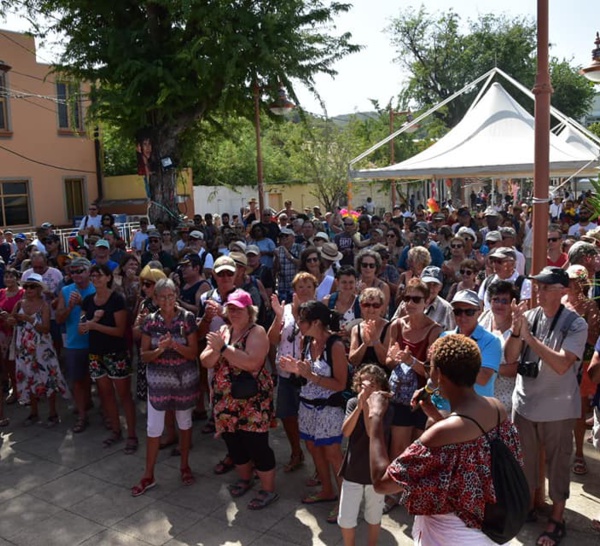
x: 466, y: 307
x: 547, y: 342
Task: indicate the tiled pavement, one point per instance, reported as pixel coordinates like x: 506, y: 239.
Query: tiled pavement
x: 61, y: 488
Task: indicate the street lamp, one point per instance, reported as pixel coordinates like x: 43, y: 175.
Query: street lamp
x: 280, y: 107
x: 592, y: 72
x: 412, y: 129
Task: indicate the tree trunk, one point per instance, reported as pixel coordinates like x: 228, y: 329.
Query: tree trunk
x: 163, y: 206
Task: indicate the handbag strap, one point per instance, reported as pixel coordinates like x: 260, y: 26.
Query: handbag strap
x: 477, y: 423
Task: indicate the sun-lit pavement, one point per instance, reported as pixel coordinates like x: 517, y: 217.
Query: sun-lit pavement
x: 61, y: 488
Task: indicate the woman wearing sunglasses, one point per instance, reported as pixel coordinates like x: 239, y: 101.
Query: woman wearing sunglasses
x: 408, y: 339
x: 498, y: 320
x: 451, y: 267
x: 394, y: 244
x: 467, y: 275
x: 368, y: 264
x: 367, y: 339
x: 310, y: 262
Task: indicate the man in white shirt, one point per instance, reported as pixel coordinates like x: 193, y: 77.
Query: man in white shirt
x: 556, y: 208
x: 91, y: 222
x: 196, y: 243
x: 140, y: 239
x: 584, y: 225
x: 503, y: 260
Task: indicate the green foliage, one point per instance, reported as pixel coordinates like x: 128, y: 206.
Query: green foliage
x: 166, y: 65
x: 573, y: 94
x: 442, y: 55
x: 118, y: 153
x: 595, y: 128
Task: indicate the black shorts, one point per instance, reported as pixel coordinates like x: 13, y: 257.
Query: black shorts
x: 405, y: 417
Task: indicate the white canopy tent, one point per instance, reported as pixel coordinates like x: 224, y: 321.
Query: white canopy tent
x: 495, y: 139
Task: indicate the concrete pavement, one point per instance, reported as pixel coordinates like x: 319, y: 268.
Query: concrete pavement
x: 60, y: 488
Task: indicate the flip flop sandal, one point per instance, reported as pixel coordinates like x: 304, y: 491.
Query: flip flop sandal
x: 80, y: 426
x: 115, y: 438
x: 239, y: 488
x: 556, y: 536
x: 296, y: 461
x: 31, y: 420
x: 224, y: 465
x: 187, y: 478
x: 52, y: 421
x: 579, y: 466
x: 262, y: 500
x: 142, y: 487
x: 332, y: 517
x: 131, y: 446
x: 318, y: 499
x: 313, y: 481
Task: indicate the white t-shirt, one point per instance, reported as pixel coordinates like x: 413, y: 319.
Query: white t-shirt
x: 574, y: 229
x: 91, y: 221
x: 209, y: 261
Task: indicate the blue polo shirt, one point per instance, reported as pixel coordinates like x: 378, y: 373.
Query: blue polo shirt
x: 491, y: 355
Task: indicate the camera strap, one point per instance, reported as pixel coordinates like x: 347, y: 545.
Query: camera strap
x: 536, y: 321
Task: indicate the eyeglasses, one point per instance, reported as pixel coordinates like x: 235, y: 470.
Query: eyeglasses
x: 391, y: 235
x: 154, y: 240
x: 501, y: 301
x: 456, y: 246
x: 370, y: 265
x: 311, y: 260
x: 468, y: 312
x: 552, y: 239
x: 368, y: 305
x: 77, y: 271
x: 348, y: 225
x: 27, y: 286
x: 506, y: 237
x: 466, y: 272
x: 225, y: 273
x: 414, y: 299
x: 147, y: 284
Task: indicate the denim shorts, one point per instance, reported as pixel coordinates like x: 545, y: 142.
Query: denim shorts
x: 288, y: 398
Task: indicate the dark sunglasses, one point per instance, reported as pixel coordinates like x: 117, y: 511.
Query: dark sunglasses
x: 370, y: 265
x: 390, y: 235
x: 27, y: 286
x: 456, y: 246
x: 468, y: 312
x: 466, y: 272
x: 225, y: 273
x: 552, y: 239
x: 311, y: 260
x: 77, y: 271
x: 348, y: 224
x: 367, y: 305
x: 501, y: 301
x: 147, y: 284
x: 414, y: 299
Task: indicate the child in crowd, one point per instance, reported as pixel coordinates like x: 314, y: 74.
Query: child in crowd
x: 355, y: 468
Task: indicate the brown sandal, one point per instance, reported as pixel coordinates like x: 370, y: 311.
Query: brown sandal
x: 296, y: 461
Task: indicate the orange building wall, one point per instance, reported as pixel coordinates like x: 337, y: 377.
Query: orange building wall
x: 34, y: 134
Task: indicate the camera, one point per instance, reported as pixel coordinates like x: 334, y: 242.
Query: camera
x: 528, y: 368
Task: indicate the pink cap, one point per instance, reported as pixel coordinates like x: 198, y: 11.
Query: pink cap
x: 240, y: 298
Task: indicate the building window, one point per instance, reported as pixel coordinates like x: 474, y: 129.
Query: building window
x: 74, y: 197
x: 14, y: 203
x: 69, y: 106
x: 3, y: 102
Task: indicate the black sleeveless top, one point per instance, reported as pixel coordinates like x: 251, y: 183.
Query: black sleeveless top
x: 370, y: 356
x: 188, y: 295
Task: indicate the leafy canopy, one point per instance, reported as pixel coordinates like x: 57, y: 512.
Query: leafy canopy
x: 442, y: 54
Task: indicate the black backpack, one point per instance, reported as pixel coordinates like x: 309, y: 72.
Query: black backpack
x: 503, y: 519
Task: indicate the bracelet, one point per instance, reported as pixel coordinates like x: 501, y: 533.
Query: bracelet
x: 222, y: 350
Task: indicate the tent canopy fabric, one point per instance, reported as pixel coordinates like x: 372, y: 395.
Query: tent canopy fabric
x: 495, y: 139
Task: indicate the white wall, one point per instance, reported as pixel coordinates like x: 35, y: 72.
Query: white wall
x: 220, y: 199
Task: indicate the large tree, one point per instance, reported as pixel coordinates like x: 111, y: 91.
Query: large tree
x: 442, y: 54
x: 165, y: 65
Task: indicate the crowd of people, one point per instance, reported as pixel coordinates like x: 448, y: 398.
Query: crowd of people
x: 333, y: 324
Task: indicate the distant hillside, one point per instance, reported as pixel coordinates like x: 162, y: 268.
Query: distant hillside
x: 344, y: 119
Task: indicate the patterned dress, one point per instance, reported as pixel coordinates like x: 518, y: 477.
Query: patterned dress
x: 38, y: 372
x: 231, y: 414
x: 141, y: 389
x: 319, y: 424
x: 173, y: 381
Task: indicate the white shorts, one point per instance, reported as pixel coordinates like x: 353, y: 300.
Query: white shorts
x: 350, y: 499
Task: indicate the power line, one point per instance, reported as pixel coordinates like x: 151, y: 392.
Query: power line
x: 45, y: 164
x: 33, y: 52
